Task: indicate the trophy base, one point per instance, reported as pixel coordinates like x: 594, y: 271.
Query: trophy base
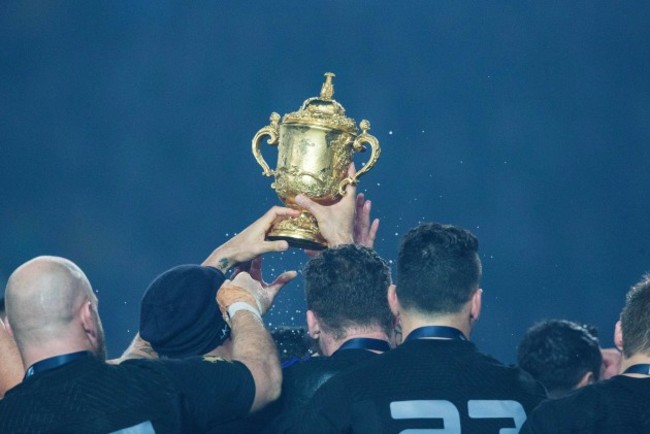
x: 298, y: 243
x: 301, y: 232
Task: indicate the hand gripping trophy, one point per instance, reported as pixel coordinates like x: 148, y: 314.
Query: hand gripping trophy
x: 315, y: 148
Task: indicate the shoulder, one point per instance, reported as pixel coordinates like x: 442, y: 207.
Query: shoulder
x: 619, y: 401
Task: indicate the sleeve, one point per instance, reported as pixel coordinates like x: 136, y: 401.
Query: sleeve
x: 214, y: 391
x: 328, y: 412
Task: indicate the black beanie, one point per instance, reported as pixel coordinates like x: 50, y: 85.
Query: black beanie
x: 179, y: 315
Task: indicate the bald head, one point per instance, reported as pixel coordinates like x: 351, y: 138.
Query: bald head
x: 44, y: 299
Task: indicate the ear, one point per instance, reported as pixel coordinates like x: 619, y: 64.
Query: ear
x: 586, y: 380
x: 88, y: 317
x: 7, y: 327
x: 618, y: 336
x: 313, y: 326
x: 393, y: 301
x: 475, y: 305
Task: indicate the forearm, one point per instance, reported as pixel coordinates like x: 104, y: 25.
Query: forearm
x: 254, y: 347
x: 222, y: 258
x: 138, y: 349
x: 11, y: 364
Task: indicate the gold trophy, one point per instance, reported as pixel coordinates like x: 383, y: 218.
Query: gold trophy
x: 315, y: 149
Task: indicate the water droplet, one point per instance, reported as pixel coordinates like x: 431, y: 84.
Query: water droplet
x: 390, y: 132
x: 379, y: 184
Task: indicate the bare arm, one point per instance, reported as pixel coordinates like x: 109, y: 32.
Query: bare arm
x: 250, y: 242
x: 253, y: 346
x: 11, y: 364
x: 251, y: 342
x: 138, y: 349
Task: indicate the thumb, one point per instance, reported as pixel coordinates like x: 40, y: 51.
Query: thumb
x: 308, y: 204
x: 281, y: 280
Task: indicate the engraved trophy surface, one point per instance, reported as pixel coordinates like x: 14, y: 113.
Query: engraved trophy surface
x: 315, y: 148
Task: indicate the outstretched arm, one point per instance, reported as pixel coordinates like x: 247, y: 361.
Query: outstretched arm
x: 250, y: 242
x: 11, y: 364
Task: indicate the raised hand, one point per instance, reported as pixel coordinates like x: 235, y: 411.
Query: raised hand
x: 250, y: 243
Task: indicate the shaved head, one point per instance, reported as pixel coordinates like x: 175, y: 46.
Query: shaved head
x: 44, y: 298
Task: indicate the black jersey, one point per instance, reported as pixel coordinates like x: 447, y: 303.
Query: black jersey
x: 620, y: 405
x: 300, y: 381
x: 161, y: 396
x: 423, y: 384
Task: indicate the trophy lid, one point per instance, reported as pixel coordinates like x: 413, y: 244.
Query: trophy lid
x: 323, y: 111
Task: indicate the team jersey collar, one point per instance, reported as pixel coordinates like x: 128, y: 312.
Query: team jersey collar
x: 440, y: 332
x: 370, y: 344
x: 641, y: 368
x: 55, y: 362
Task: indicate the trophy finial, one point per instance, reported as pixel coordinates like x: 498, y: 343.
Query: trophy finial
x: 327, y: 90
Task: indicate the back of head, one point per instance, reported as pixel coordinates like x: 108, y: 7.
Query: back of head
x: 438, y: 269
x: 635, y: 319
x: 558, y: 354
x: 179, y: 315
x: 346, y: 286
x: 42, y: 298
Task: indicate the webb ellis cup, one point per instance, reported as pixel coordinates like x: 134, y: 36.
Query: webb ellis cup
x: 315, y: 148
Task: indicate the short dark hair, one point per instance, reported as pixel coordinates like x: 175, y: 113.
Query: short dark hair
x: 347, y: 286
x: 635, y: 319
x: 558, y: 353
x: 438, y: 268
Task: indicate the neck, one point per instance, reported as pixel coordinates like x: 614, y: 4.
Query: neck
x: 412, y: 321
x: 328, y: 344
x: 37, y: 353
x: 635, y: 359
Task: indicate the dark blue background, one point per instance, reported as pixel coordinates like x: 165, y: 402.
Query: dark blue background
x: 125, y: 131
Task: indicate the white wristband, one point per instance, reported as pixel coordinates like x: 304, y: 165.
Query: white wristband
x: 241, y: 305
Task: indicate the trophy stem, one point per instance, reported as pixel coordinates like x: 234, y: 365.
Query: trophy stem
x: 301, y: 232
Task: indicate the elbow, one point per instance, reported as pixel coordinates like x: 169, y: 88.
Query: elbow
x: 268, y: 385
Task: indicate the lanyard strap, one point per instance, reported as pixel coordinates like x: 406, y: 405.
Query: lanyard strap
x: 641, y: 368
x: 55, y: 362
x: 364, y: 344
x: 443, y: 332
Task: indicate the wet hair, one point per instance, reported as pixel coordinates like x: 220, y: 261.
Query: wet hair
x: 347, y: 286
x: 438, y: 268
x: 635, y: 319
x: 558, y: 353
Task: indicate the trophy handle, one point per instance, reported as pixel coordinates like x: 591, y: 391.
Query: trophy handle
x: 270, y: 130
x: 358, y: 146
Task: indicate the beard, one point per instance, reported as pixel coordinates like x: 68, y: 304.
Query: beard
x: 100, y: 344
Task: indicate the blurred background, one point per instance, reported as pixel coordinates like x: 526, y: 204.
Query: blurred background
x: 126, y: 127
